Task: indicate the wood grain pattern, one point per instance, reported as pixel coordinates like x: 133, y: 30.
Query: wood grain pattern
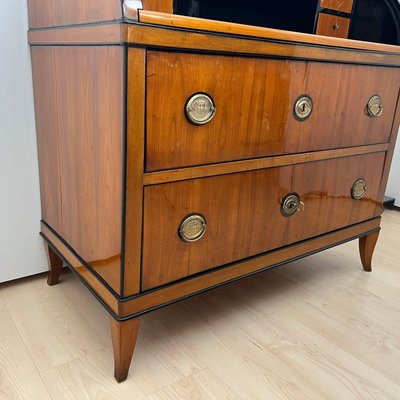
x: 124, y: 335
x: 54, y: 13
x: 16, y: 365
x: 51, y: 326
x: 134, y: 170
x: 245, y: 163
x: 367, y: 247
x: 235, y: 333
x: 198, y: 40
x: 79, y: 97
x: 181, y: 174
x: 164, y: 6
x: 333, y: 25
x: 55, y: 265
x: 113, y: 33
x: 243, y: 213
x: 74, y: 262
x: 44, y: 13
x: 29, y: 388
x: 88, y: 377
x: 204, y: 383
x: 191, y: 286
x: 132, y: 7
x: 296, y: 335
x: 44, y: 85
x: 254, y: 99
x: 49, y: 13
x: 179, y: 21
x: 338, y: 5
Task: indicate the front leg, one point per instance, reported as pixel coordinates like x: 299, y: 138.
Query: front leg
x: 55, y: 265
x: 124, y: 335
x: 367, y: 246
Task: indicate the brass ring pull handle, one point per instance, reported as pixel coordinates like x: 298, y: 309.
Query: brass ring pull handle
x: 303, y: 108
x: 192, y: 228
x: 374, y: 107
x: 200, y: 109
x: 358, y: 189
x: 291, y: 204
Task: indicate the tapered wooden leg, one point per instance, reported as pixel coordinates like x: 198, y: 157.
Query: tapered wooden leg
x: 367, y: 245
x: 124, y: 335
x: 55, y: 265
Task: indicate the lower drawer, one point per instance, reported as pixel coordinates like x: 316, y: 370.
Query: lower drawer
x: 244, y: 217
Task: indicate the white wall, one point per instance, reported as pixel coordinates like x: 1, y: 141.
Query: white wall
x: 21, y: 248
x: 393, y: 188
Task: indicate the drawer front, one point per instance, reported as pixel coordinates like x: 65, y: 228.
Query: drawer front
x: 332, y: 25
x: 254, y: 100
x: 338, y: 5
x: 243, y: 213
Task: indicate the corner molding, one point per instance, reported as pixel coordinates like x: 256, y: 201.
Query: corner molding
x: 131, y: 9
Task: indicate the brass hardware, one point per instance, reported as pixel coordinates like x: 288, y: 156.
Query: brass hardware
x: 336, y: 26
x: 192, y: 228
x: 374, y: 107
x: 301, y: 206
x: 291, y: 204
x: 303, y: 107
x: 358, y: 189
x: 200, y: 109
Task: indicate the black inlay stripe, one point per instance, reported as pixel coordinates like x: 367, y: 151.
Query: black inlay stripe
x: 135, y: 315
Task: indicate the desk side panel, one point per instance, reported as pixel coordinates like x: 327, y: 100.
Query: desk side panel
x: 47, y: 13
x: 79, y: 118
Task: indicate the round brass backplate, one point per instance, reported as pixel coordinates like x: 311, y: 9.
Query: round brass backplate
x: 291, y: 203
x: 200, y: 109
x: 374, y: 106
x: 192, y: 228
x: 359, y: 189
x: 303, y: 108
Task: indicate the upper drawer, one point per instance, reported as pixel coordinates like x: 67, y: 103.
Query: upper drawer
x: 254, y: 100
x: 244, y: 216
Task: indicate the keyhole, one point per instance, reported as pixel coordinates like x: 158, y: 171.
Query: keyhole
x: 303, y: 108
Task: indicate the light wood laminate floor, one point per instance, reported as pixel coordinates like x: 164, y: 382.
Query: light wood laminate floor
x: 318, y: 328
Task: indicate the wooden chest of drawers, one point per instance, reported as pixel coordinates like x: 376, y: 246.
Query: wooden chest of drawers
x: 178, y: 154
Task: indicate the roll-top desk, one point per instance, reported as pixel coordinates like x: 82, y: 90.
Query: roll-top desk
x: 186, y: 145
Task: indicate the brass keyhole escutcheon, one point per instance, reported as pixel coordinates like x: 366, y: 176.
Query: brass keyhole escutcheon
x: 359, y: 189
x: 374, y: 107
x: 336, y: 26
x: 192, y: 228
x: 200, y: 109
x: 291, y: 204
x: 303, y: 108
